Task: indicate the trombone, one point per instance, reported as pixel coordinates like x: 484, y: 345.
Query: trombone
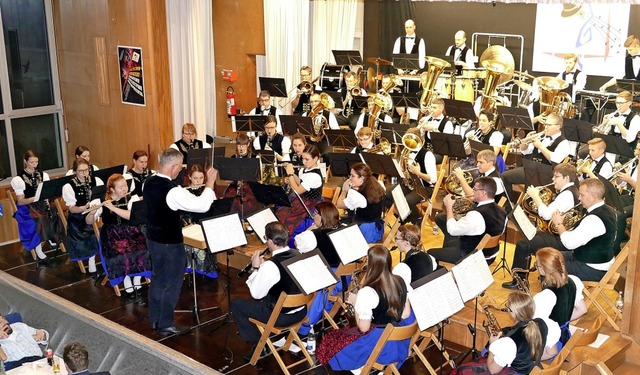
x: 305, y: 88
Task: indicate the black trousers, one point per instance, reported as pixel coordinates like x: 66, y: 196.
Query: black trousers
x: 525, y: 248
x: 243, y: 309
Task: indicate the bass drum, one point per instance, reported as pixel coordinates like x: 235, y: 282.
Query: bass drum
x: 332, y: 76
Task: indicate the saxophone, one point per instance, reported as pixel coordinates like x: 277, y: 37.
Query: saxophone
x: 349, y: 309
x: 523, y: 284
x: 491, y: 325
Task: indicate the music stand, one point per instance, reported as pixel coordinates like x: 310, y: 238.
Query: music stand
x: 448, y: 59
x: 267, y: 156
x: 241, y: 170
x: 478, y: 146
x: 448, y: 144
x: 105, y: 173
x: 200, y: 156
x: 381, y: 164
x: 341, y: 162
x: 292, y: 124
x: 515, y: 118
x: 536, y: 174
x: 275, y: 86
x: 578, y: 131
x: 459, y: 109
x: 406, y: 61
x: 347, y: 57
x: 343, y: 138
x: 611, y: 195
x: 249, y: 123
x: 393, y: 132
x: 336, y: 96
x: 405, y: 100
x: 361, y: 101
x: 269, y: 194
x: 52, y: 188
x: 100, y: 191
x: 617, y: 145
x: 631, y: 85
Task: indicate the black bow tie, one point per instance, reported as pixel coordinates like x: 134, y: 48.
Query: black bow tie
x: 635, y: 57
x: 547, y: 137
x: 620, y: 114
x: 411, y: 37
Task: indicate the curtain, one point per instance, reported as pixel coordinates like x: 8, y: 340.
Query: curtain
x: 337, y: 21
x: 190, y: 33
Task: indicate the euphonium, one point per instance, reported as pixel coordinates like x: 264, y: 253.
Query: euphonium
x: 570, y: 219
x: 550, y: 87
x: 495, y: 69
x: 384, y: 146
x: 523, y: 284
x: 563, y: 106
x: 319, y: 121
x: 491, y: 325
x: 435, y: 67
x: 411, y: 143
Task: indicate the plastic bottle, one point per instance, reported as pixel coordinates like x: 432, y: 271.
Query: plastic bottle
x: 311, y: 341
x: 620, y: 302
x: 49, y: 355
x: 435, y: 230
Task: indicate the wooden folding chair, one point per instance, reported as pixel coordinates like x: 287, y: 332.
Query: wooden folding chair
x: 268, y: 330
x: 391, y: 216
x: 337, y: 300
x: 426, y: 217
x: 555, y: 366
x: 62, y: 213
x: 594, y: 290
x: 14, y: 206
x: 426, y: 337
x: 391, y: 333
x: 577, y: 353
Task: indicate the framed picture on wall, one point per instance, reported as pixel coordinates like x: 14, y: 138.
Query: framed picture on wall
x: 131, y: 75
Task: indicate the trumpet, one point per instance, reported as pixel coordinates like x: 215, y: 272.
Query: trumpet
x: 608, y: 121
x: 528, y: 139
x: 622, y: 169
x: 523, y: 284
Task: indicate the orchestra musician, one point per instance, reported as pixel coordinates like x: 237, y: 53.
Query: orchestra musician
x: 623, y: 122
x: 268, y: 279
x: 350, y: 111
x: 576, y: 79
x: 139, y: 172
x: 564, y: 180
x: 551, y: 150
x: 307, y: 184
x: 244, y: 201
x: 561, y: 297
x: 462, y: 235
x: 188, y: 141
x: 417, y: 263
x: 365, y: 141
x: 631, y: 64
x: 410, y: 44
x: 82, y: 240
x: 381, y: 300
x: 486, y: 132
x: 462, y: 55
x: 301, y: 103
x: 298, y: 143
x: 163, y: 199
x: 365, y: 117
x: 270, y: 140
x: 37, y: 222
x: 486, y: 163
x: 626, y: 183
x: 363, y: 196
x: 324, y: 117
x: 517, y: 349
x: 599, y: 165
x: 124, y: 253
x: 436, y: 121
x: 265, y: 108
x: 314, y: 101
x: 83, y: 152
x: 326, y: 218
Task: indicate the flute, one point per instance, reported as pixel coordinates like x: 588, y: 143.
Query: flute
x: 93, y: 208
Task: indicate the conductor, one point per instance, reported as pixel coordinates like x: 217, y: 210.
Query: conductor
x: 163, y: 200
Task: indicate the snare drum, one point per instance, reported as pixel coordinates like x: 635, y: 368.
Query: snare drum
x: 464, y: 89
x: 474, y: 73
x: 332, y: 76
x: 443, y: 86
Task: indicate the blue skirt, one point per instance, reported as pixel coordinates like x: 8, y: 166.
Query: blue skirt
x: 320, y: 303
x: 372, y: 231
x: 355, y: 355
x: 27, y: 228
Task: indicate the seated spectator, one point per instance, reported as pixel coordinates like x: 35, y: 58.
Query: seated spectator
x: 76, y: 359
x: 19, y: 343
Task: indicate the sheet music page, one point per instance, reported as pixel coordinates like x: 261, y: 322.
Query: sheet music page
x: 401, y: 202
x: 193, y: 231
x: 38, y: 191
x: 312, y: 274
x: 233, y: 124
x: 259, y: 220
x: 472, y: 275
x: 349, y: 243
x: 524, y: 223
x: 224, y: 232
x: 323, y: 169
x: 397, y: 164
x: 435, y: 301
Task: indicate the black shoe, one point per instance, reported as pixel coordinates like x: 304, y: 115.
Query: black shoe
x: 513, y: 285
x: 139, y: 300
x: 46, y: 262
x: 247, y: 356
x: 154, y: 326
x: 173, y: 330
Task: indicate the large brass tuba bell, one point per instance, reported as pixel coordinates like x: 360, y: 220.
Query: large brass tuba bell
x: 435, y: 67
x: 411, y: 143
x: 499, y: 63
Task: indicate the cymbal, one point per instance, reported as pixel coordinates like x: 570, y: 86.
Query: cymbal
x: 523, y: 85
x: 378, y: 61
x: 523, y: 74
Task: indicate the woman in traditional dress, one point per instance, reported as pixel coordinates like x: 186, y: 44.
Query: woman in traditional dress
x: 244, y: 201
x: 298, y: 143
x: 189, y: 141
x: 381, y: 300
x: 417, y: 263
x: 139, y: 172
x: 124, y: 251
x: 307, y: 185
x: 363, y: 196
x: 37, y: 222
x: 82, y: 240
x: 83, y: 152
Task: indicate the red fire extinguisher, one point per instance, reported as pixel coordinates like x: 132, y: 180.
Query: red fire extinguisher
x: 231, y: 102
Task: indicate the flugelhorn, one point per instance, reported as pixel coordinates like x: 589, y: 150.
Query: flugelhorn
x: 623, y: 169
x: 584, y: 164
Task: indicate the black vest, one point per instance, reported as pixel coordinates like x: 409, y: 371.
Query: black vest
x: 493, y: 174
x: 111, y: 218
x: 272, y: 111
x: 523, y: 363
x: 463, y: 56
x: 599, y: 249
x: 484, y: 138
x: 82, y: 191
x: 565, y: 300
x: 598, y: 167
x: 31, y: 182
x: 275, y: 144
x: 628, y: 68
x: 139, y: 178
x: 380, y: 317
x: 326, y: 247
x: 163, y: 223
x: 627, y: 123
x: 494, y: 219
x: 416, y: 43
x: 423, y: 167
x: 184, y: 147
x: 536, y: 155
x: 420, y: 264
x: 573, y: 189
x: 285, y: 284
x: 371, y: 213
x: 569, y: 89
x: 303, y: 103
x: 316, y: 193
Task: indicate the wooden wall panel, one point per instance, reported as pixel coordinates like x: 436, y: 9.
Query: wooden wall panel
x: 102, y: 76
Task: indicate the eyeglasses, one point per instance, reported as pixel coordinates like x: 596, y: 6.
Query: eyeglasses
x: 477, y: 189
x: 398, y: 239
x: 82, y: 170
x: 264, y: 237
x: 508, y: 308
x: 621, y: 103
x: 189, y: 133
x: 553, y: 124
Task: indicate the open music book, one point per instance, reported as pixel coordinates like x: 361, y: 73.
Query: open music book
x: 349, y: 242
x: 523, y: 222
x: 401, y: 202
x: 223, y: 232
x: 259, y: 220
x: 310, y: 271
x: 441, y: 294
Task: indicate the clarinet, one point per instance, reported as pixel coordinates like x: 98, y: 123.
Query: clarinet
x: 249, y: 265
x: 87, y: 189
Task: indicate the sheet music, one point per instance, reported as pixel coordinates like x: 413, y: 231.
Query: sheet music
x: 259, y: 220
x: 401, y: 202
x: 38, y: 191
x: 397, y: 164
x: 312, y: 274
x: 472, y: 275
x: 435, y: 301
x: 224, y: 232
x: 524, y: 223
x: 349, y: 242
x: 233, y: 124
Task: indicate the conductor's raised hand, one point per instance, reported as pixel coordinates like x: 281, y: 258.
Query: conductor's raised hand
x: 212, y: 175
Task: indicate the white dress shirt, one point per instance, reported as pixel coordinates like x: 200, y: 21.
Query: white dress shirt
x: 563, y: 202
x: 559, y: 154
x: 408, y: 46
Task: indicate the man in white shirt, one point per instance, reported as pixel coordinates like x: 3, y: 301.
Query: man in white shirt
x: 462, y: 55
x: 631, y: 63
x: 576, y: 79
x: 410, y: 44
x: 265, y: 108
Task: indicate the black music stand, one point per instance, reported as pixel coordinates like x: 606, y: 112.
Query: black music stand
x: 105, y: 173
x: 406, y: 61
x: 343, y: 138
x: 347, y: 57
x: 577, y: 131
x: 393, y: 132
x: 249, y: 123
x: 200, y: 156
x: 381, y: 164
x: 336, y: 96
x: 448, y: 59
x: 448, y: 144
x: 98, y: 192
x: 267, y: 156
x: 459, y: 109
x: 611, y: 195
x: 361, y: 102
x: 630, y: 85
x: 341, y: 163
x: 617, y: 145
x: 292, y: 124
x: 536, y: 174
x: 240, y: 170
x: 52, y: 188
x: 404, y: 100
x: 269, y: 194
x: 275, y: 86
x: 478, y: 146
x: 515, y: 118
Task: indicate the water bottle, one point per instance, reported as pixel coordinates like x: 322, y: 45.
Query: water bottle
x: 49, y: 355
x: 620, y: 302
x: 311, y: 341
x: 435, y: 230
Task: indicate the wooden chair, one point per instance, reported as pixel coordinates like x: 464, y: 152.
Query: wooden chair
x: 337, y: 300
x: 391, y: 216
x: 14, y: 206
x: 426, y: 217
x: 391, y: 333
x: 577, y: 353
x: 268, y: 330
x: 595, y: 291
x: 556, y: 365
x: 62, y: 213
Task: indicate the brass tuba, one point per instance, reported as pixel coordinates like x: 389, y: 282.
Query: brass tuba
x: 552, y: 101
x: 500, y: 65
x: 435, y: 67
x: 319, y: 121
